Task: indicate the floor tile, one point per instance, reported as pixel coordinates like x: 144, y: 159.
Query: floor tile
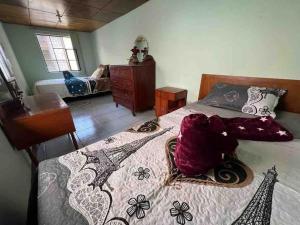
x: 95, y: 119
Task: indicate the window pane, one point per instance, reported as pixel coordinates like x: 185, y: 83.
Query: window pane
x: 52, y: 66
x: 44, y: 41
x: 63, y: 65
x: 56, y: 42
x: 60, y: 54
x: 68, y: 42
x: 74, y: 65
x: 48, y: 54
x: 71, y: 54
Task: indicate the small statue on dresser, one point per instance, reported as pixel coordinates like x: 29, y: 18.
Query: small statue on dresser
x: 146, y: 57
x: 134, y: 59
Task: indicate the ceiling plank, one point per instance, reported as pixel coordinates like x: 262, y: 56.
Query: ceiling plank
x: 79, y: 24
x: 50, y: 5
x: 21, y: 3
x: 99, y: 4
x: 14, y: 14
x: 81, y: 11
x: 123, y: 6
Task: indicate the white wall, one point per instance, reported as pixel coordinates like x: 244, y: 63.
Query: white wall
x: 188, y: 38
x: 15, y: 173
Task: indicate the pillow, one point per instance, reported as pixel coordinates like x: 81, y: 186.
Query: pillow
x: 98, y: 73
x: 262, y: 101
x: 227, y: 96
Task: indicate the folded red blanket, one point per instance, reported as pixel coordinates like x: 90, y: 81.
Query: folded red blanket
x: 202, y: 141
x: 263, y: 128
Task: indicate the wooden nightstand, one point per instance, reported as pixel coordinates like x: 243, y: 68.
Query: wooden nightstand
x: 168, y: 99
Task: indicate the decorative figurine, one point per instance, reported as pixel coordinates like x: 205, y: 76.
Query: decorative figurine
x: 146, y: 57
x: 134, y: 59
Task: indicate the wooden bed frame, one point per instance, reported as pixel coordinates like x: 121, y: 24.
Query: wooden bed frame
x: 290, y: 101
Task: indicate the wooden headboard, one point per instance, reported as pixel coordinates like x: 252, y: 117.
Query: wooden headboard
x: 290, y: 101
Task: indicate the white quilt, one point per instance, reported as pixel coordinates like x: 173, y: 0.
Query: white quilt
x: 135, y: 191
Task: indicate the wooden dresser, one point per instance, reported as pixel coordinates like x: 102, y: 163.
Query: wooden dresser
x: 133, y: 86
x: 47, y: 117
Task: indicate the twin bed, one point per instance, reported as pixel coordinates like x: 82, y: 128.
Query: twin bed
x: 59, y: 87
x: 131, y: 177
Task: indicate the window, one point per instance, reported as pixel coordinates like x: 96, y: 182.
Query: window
x: 58, y: 53
x: 5, y: 65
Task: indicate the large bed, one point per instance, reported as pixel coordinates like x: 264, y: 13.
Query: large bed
x: 131, y: 177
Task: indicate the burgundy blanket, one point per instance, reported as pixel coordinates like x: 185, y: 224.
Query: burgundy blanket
x: 203, y: 141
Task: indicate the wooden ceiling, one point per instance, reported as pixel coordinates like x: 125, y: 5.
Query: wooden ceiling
x: 80, y: 15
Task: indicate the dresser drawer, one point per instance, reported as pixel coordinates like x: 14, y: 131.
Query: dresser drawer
x: 121, y: 73
x: 125, y: 102
x: 122, y: 84
x: 124, y: 94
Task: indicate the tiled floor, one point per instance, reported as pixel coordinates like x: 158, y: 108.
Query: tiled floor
x: 95, y: 118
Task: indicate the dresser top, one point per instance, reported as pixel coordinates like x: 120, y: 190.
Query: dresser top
x: 43, y: 103
x: 34, y: 105
x: 171, y: 89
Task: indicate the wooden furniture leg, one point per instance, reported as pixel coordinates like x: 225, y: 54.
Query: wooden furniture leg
x: 74, y: 140
x: 32, y: 156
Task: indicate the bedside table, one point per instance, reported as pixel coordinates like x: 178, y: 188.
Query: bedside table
x: 168, y: 99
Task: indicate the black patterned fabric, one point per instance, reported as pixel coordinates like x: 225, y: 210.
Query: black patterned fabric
x: 259, y: 208
x: 231, y: 173
x: 227, y: 96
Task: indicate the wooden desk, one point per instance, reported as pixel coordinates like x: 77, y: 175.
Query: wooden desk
x: 47, y: 117
x: 168, y: 99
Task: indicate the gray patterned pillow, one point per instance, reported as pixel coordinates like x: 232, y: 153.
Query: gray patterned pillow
x: 262, y: 101
x: 227, y: 96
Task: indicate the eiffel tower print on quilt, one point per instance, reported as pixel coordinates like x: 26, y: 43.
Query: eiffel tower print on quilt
x: 259, y: 209
x: 232, y: 173
x: 147, y: 127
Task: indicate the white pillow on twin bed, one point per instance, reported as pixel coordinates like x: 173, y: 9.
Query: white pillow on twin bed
x: 262, y: 101
x: 98, y: 73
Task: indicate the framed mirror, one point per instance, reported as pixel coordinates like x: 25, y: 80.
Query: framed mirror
x: 6, y: 93
x: 9, y: 88
x: 142, y: 45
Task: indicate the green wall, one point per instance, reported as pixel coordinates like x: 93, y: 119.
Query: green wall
x: 30, y: 58
x: 188, y: 38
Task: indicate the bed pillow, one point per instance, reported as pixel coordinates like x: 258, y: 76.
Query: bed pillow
x: 227, y: 96
x: 262, y: 101
x: 98, y: 73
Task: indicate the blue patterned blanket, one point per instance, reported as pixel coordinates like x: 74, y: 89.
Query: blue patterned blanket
x: 78, y: 86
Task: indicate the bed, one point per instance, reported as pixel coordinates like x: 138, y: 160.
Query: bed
x: 59, y: 87
x: 131, y: 178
